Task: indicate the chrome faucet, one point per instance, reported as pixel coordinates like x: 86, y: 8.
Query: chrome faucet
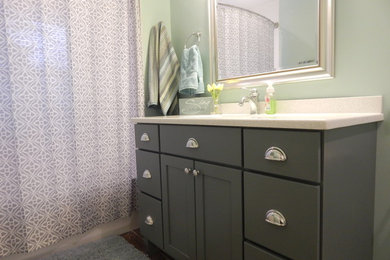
x: 252, y: 99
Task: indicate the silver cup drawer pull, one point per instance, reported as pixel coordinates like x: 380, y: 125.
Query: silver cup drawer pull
x: 149, y: 221
x: 145, y: 137
x: 147, y: 174
x: 275, y: 154
x: 192, y: 143
x: 276, y: 218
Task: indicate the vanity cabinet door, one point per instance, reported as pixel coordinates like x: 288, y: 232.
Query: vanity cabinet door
x: 178, y: 196
x: 218, y: 212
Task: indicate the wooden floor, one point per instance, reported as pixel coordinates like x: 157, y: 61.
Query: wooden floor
x: 135, y: 238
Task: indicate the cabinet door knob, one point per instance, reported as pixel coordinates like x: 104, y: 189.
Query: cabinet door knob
x: 192, y: 143
x: 147, y: 174
x: 187, y: 170
x: 195, y: 172
x: 276, y: 218
x: 275, y: 154
x: 145, y: 137
x: 149, y: 221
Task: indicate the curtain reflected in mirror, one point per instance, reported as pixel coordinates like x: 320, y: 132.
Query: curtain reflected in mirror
x: 255, y: 37
x: 245, y: 42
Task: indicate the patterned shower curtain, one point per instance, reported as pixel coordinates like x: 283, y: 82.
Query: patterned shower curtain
x: 69, y: 77
x: 245, y: 42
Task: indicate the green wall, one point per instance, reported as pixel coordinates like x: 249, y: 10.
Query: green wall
x: 362, y: 58
x: 181, y: 17
x: 188, y: 16
x: 152, y: 12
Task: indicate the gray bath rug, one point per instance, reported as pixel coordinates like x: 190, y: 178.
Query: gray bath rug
x: 110, y: 248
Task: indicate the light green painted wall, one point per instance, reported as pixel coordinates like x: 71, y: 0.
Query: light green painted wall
x: 188, y: 16
x: 181, y: 17
x: 152, y: 12
x: 362, y: 68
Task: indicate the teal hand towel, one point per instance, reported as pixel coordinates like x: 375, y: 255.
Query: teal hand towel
x: 191, y: 72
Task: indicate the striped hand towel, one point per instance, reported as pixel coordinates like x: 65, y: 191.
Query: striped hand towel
x: 163, y: 67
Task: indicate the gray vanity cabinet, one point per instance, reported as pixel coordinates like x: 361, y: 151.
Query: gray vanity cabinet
x: 202, y: 211
x: 257, y: 193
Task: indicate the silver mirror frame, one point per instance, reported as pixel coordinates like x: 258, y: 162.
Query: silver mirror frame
x: 324, y: 70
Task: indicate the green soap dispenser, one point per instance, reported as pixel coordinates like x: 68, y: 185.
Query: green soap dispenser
x: 270, y: 102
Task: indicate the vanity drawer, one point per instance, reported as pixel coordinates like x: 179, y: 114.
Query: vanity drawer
x: 148, y: 173
x: 217, y: 144
x: 252, y: 252
x: 146, y: 137
x: 150, y: 216
x: 302, y: 150
x: 299, y: 204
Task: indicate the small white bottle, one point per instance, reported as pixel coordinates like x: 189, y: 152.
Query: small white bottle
x: 270, y: 103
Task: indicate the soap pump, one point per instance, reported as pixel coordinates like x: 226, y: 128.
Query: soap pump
x: 270, y: 103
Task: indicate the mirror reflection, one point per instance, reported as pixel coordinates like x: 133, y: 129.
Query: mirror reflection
x: 256, y: 37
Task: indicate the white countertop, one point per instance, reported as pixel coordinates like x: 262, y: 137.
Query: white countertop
x: 325, y: 114
x: 316, y: 121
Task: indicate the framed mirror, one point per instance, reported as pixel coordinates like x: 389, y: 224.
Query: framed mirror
x: 255, y: 41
